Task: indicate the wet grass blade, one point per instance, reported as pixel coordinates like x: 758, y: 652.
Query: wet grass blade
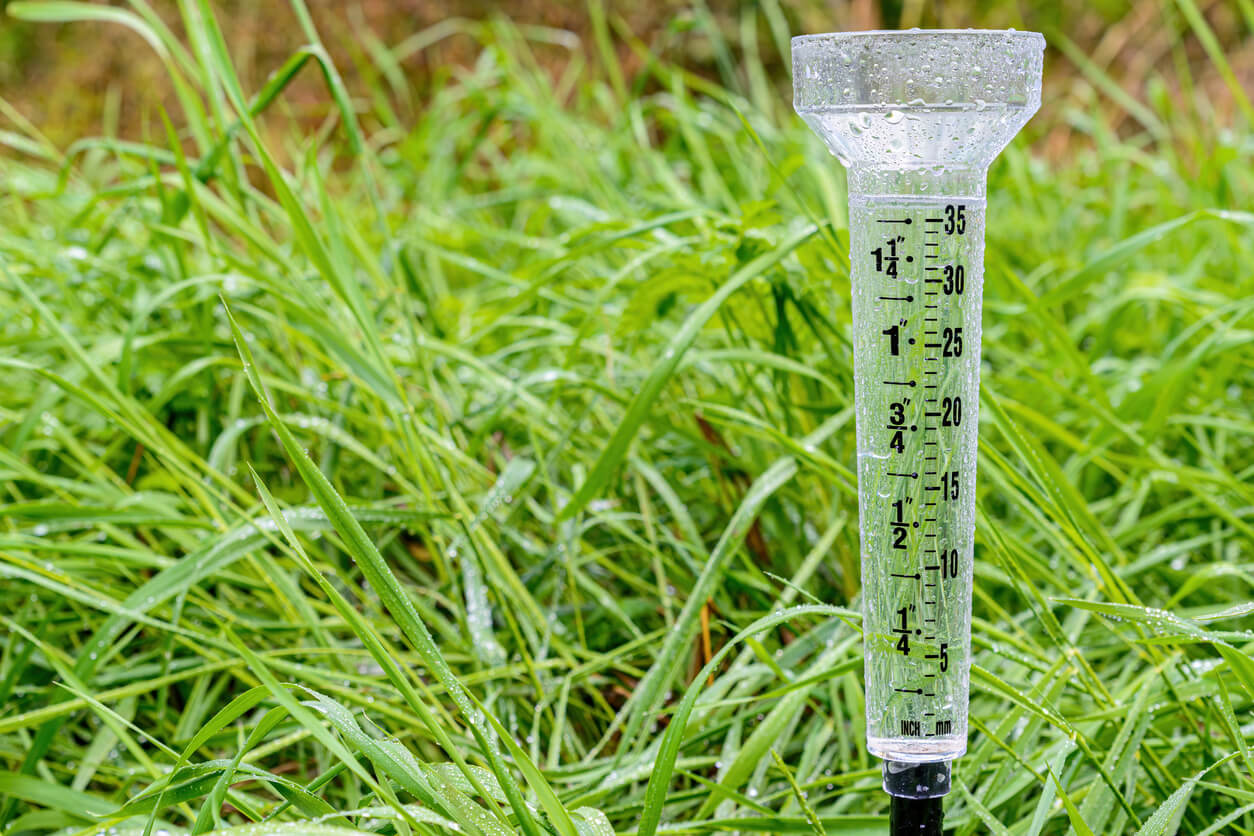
x: 616, y: 448
x: 645, y: 698
x: 384, y: 582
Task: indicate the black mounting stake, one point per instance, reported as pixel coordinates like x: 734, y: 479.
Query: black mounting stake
x: 915, y: 816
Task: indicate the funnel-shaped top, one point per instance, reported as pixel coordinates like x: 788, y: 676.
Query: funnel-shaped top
x: 917, y: 99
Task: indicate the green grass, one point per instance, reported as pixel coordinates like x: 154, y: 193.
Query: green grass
x: 405, y: 477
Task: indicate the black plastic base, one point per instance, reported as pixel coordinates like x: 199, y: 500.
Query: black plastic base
x: 917, y: 780
x: 915, y: 816
x: 918, y: 791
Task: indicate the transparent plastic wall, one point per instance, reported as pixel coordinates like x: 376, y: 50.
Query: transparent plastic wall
x: 917, y: 117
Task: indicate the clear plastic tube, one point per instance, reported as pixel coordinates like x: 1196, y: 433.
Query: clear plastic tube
x: 917, y: 117
x: 916, y: 313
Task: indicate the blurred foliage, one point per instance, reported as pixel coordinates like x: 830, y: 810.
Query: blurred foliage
x: 90, y: 78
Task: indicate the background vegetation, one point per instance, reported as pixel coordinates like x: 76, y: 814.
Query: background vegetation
x: 458, y: 435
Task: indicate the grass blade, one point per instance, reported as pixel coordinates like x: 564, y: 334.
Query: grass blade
x: 637, y: 410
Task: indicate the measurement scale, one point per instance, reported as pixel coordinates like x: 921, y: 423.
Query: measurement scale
x: 917, y: 117
x: 916, y: 307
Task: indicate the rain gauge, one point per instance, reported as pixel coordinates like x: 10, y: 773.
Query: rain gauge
x: 917, y: 117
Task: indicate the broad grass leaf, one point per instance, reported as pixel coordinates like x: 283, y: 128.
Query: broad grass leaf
x: 637, y: 411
